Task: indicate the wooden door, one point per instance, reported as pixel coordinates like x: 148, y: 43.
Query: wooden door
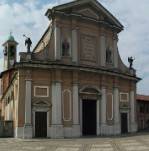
x: 124, y: 123
x: 89, y: 117
x: 41, y: 124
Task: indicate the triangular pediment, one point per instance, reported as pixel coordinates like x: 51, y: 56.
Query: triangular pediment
x: 88, y: 8
x: 87, y: 12
x: 41, y: 103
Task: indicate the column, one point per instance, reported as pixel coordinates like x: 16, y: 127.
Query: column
x: 57, y: 36
x: 115, y: 52
x: 116, y: 111
x: 103, y: 49
x: 28, y: 111
x: 74, y: 46
x: 56, y: 127
x: 76, y: 125
x: 103, y: 111
x: 132, y: 112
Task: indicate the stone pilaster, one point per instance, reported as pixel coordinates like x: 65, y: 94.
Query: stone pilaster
x: 133, y: 123
x: 115, y: 40
x: 76, y: 123
x: 56, y: 126
x: 116, y: 111
x: 28, y: 111
x: 102, y: 49
x: 98, y: 113
x: 103, y: 111
x: 74, y: 46
x: 57, y: 37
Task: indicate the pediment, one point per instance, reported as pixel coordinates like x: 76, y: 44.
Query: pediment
x: 41, y: 103
x: 87, y: 12
x: 88, y: 8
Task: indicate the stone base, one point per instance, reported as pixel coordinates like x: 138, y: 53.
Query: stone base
x: 68, y: 132
x: 117, y: 129
x: 134, y: 127
x: 98, y: 130
x: 48, y: 132
x: 18, y: 132
x: 110, y: 130
x: 76, y: 131
x: 107, y: 130
x: 56, y: 131
x: 27, y: 133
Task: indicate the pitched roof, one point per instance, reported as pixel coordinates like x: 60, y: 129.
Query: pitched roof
x: 142, y: 97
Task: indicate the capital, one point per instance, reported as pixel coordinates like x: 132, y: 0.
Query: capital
x: 115, y: 37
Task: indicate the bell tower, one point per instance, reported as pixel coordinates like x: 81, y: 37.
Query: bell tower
x: 10, y: 52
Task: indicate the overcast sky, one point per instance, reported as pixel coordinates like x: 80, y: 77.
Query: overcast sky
x: 27, y: 17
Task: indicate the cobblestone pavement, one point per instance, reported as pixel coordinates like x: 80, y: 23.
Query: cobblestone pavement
x: 129, y: 143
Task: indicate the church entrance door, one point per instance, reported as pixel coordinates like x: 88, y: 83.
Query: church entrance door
x: 40, y: 124
x: 124, y: 123
x: 89, y: 117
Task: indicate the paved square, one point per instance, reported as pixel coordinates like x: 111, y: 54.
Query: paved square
x: 130, y: 143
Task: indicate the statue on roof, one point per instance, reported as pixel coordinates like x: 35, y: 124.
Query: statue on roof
x: 28, y: 43
x: 130, y: 60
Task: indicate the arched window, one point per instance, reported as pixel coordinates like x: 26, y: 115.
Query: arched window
x: 12, y: 52
x: 5, y: 51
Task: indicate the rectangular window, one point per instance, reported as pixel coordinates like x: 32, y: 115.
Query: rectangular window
x: 41, y: 91
x: 124, y: 97
x: 141, y: 108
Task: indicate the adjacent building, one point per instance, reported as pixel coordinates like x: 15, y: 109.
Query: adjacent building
x: 143, y: 112
x: 74, y: 82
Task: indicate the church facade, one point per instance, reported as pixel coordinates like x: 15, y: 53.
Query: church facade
x: 73, y: 83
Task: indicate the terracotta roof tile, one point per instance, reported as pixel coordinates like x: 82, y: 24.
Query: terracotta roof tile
x: 142, y: 97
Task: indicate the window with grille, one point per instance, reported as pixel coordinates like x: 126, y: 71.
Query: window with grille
x: 123, y: 97
x: 41, y: 91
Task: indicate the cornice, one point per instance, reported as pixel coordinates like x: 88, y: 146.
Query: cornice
x: 54, y: 65
x: 79, y: 16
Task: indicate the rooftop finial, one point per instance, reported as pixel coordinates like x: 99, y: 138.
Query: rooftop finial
x: 11, y: 38
x: 10, y: 32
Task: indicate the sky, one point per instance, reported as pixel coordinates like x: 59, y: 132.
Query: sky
x: 27, y: 17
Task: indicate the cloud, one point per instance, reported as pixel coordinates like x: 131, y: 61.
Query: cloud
x: 134, y: 40
x: 27, y: 17
x: 22, y: 18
